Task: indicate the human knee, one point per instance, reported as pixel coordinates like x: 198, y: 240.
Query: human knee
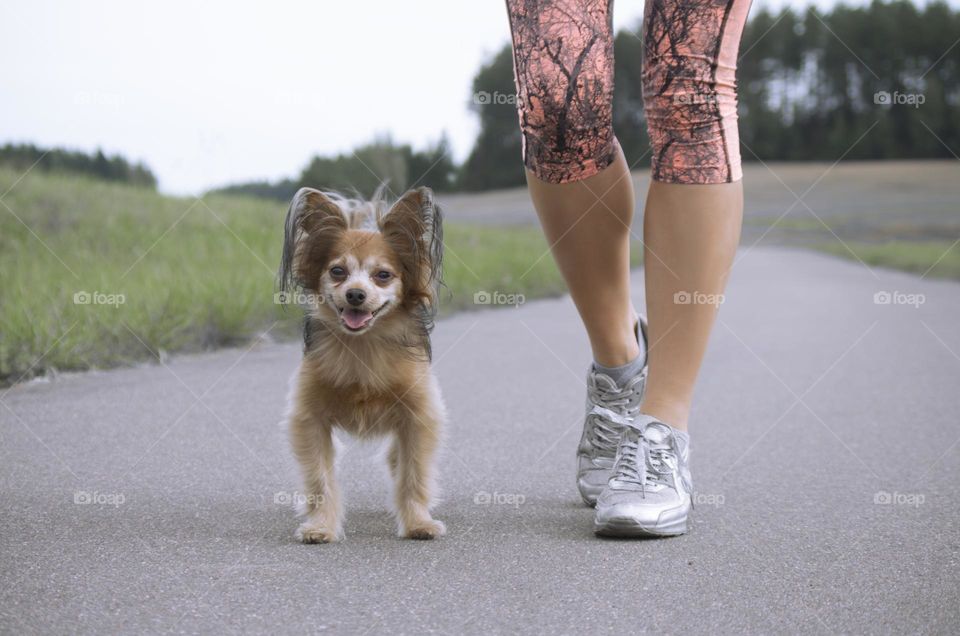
x: 689, y: 89
x: 568, y: 137
x: 563, y: 65
x: 693, y: 132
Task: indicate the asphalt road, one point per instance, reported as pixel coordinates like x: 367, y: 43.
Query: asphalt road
x: 793, y: 203
x: 824, y: 450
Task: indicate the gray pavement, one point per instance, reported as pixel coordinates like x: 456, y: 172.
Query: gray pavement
x: 792, y: 203
x: 825, y: 458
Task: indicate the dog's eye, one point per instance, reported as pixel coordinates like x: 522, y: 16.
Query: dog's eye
x: 338, y: 272
x: 384, y: 275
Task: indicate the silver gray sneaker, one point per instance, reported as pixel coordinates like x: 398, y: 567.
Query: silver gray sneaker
x: 609, y: 407
x: 650, y: 493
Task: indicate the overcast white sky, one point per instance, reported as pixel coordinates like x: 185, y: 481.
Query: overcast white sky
x: 212, y: 92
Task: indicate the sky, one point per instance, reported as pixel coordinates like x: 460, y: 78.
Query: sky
x: 210, y: 93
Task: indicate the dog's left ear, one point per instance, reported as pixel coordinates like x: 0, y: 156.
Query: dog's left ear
x: 414, y: 229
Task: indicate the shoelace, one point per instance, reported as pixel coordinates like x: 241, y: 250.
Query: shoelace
x: 608, y: 421
x: 643, y: 462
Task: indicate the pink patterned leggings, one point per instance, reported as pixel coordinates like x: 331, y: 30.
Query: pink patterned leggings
x: 563, y: 65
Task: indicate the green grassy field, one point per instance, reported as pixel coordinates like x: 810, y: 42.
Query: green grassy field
x: 199, y: 274
x: 931, y: 259
x: 192, y: 274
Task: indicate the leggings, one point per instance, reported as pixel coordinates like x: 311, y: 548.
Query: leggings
x: 563, y: 67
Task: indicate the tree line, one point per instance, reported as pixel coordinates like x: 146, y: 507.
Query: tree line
x: 811, y: 86
x: 879, y: 81
x: 98, y: 165
x: 362, y: 170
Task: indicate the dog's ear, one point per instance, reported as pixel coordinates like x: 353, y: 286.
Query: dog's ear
x: 414, y: 229
x: 313, y: 223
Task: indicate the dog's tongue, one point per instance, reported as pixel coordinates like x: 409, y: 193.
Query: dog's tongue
x: 356, y: 318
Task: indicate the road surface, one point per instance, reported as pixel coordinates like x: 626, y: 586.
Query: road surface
x: 824, y: 450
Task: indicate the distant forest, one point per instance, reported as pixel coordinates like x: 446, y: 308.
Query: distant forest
x: 810, y: 85
x: 881, y: 81
x: 364, y: 169
x: 98, y: 165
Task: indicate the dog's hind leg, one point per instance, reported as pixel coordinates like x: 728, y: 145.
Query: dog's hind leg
x: 312, y: 443
x: 411, y: 461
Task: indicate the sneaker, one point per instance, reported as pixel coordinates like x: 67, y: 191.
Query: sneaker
x: 609, y: 408
x: 650, y: 493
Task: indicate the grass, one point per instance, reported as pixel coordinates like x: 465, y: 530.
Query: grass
x: 934, y: 259
x: 199, y: 274
x: 801, y: 224
x: 193, y: 274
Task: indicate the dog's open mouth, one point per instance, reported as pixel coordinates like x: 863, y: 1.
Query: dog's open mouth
x: 356, y: 319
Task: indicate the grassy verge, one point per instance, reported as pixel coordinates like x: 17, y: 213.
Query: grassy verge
x: 191, y: 274
x: 935, y: 259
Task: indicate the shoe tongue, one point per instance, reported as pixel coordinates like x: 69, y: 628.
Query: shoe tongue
x: 630, y: 434
x: 604, y: 380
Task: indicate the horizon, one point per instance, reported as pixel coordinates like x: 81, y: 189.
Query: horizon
x: 203, y: 110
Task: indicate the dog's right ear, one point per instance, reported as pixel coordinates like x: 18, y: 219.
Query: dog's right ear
x: 313, y: 222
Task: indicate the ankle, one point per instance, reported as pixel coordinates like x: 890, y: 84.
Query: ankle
x: 619, y: 348
x: 616, y: 356
x: 675, y: 414
x: 622, y: 374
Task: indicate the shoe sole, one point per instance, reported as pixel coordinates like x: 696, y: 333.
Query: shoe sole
x: 630, y: 528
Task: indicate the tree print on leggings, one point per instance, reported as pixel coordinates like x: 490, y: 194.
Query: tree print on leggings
x: 563, y: 63
x: 689, y: 88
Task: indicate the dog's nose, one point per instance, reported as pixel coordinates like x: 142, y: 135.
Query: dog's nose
x: 356, y: 296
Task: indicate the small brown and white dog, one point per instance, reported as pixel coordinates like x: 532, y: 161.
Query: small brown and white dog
x: 371, y: 274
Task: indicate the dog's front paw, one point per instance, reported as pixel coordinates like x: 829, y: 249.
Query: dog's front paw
x: 426, y: 530
x: 312, y: 533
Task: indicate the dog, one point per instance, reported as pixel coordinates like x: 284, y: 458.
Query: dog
x: 370, y: 273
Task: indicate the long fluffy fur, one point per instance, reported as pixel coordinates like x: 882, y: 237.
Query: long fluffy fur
x: 424, y: 244
x: 367, y: 384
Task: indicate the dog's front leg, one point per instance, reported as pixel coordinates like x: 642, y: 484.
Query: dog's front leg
x: 411, y: 462
x: 312, y: 442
